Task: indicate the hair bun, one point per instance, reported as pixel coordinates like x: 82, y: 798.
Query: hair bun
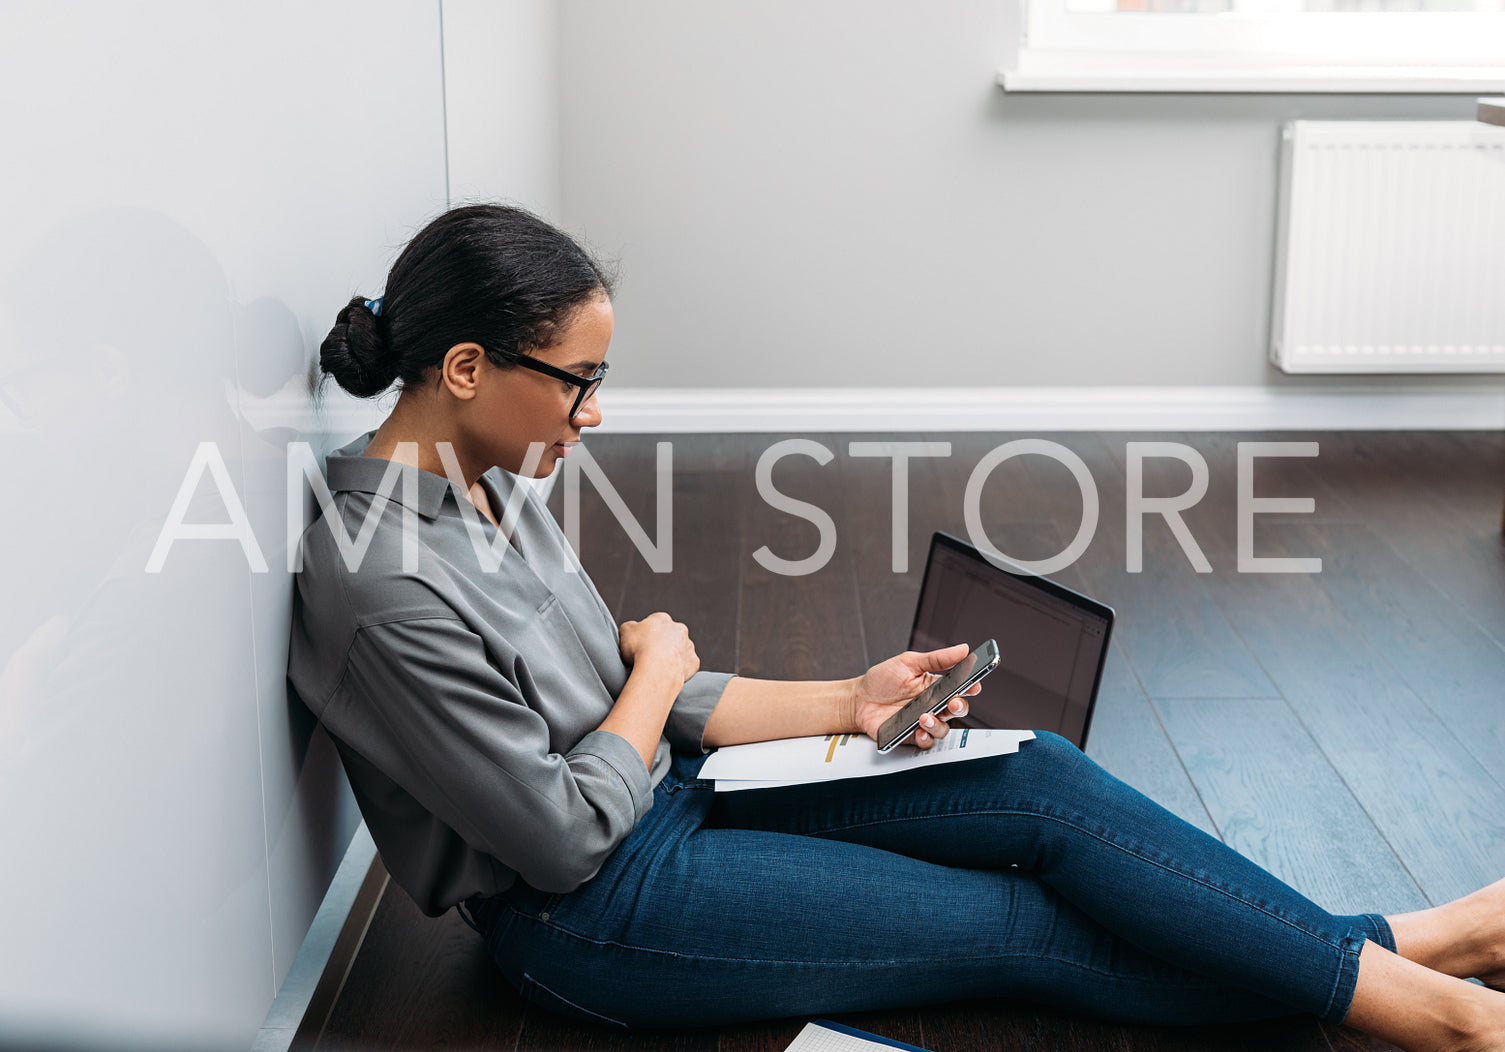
x: 355, y: 351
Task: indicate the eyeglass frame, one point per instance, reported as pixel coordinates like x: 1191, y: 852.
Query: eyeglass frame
x: 588, y: 384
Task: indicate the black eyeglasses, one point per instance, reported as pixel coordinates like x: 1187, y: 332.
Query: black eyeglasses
x: 587, y: 384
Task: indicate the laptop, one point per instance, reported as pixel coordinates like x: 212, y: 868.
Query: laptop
x: 1052, y: 641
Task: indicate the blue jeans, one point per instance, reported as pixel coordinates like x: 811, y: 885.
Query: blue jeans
x: 1036, y: 875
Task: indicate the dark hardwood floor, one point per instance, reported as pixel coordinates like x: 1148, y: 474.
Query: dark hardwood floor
x: 1344, y: 729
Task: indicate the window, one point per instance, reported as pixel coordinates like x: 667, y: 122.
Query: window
x: 1261, y: 45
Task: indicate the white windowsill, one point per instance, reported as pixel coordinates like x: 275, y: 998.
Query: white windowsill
x: 1065, y: 72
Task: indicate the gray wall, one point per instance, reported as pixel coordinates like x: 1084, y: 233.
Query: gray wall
x: 830, y: 192
x: 191, y: 191
x: 501, y: 102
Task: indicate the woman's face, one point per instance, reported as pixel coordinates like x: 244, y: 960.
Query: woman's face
x: 521, y: 406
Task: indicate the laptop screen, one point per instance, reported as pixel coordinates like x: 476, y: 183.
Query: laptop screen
x: 1052, y: 641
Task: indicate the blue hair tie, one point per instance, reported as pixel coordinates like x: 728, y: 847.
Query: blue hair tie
x: 374, y: 306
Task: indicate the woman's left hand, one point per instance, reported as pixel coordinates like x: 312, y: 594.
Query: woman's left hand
x: 885, y: 688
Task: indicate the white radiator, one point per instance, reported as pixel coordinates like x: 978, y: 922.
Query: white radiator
x: 1390, y: 255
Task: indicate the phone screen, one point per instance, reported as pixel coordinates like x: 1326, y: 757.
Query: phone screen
x: 957, y: 679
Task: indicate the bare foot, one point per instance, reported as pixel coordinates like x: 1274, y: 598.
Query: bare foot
x: 1488, y: 914
x: 1422, y: 1010
x: 1463, y: 938
x: 1487, y: 1031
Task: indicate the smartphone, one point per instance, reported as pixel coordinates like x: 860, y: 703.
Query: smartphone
x: 933, y: 698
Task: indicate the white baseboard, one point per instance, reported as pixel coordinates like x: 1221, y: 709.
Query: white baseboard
x: 294, y: 996
x: 641, y: 410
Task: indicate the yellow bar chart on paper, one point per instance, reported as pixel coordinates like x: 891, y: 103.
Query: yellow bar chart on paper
x: 824, y: 758
x: 835, y: 740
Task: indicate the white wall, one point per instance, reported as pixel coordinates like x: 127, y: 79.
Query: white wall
x: 501, y: 92
x: 835, y: 192
x: 190, y: 192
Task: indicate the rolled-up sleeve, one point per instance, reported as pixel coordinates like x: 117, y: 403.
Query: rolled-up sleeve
x: 422, y: 700
x: 685, y: 727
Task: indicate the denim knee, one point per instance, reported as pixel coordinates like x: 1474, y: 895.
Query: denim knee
x: 1052, y: 751
x: 1053, y: 743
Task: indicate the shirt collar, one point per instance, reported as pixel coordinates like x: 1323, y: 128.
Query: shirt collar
x: 348, y: 470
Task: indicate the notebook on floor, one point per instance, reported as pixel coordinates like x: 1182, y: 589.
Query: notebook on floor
x: 1052, y: 641
x: 825, y: 1036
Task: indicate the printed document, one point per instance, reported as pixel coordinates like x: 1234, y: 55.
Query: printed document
x: 796, y: 761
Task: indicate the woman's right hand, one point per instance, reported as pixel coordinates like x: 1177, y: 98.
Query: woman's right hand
x: 659, y: 639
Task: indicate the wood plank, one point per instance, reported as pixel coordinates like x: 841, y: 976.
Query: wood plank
x: 1486, y: 449
x: 1174, y: 635
x: 1462, y: 556
x: 1425, y: 793
x: 1440, y: 473
x: 547, y: 1032
x: 1018, y: 494
x: 1127, y: 739
x: 993, y: 1025
x: 1017, y: 1026
x: 773, y: 1035
x: 887, y: 598
x: 899, y: 1024
x: 1436, y: 648
x: 1289, y: 1034
x: 796, y: 627
x: 1387, y: 480
x: 1279, y: 803
x: 1459, y: 548
x: 422, y: 981
x: 1214, y: 520
x: 1475, y: 466
x: 1286, y: 1034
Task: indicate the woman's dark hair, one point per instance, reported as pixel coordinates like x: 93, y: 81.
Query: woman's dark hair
x: 492, y: 274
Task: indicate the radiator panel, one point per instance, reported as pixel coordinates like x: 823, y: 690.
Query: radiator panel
x: 1390, y: 254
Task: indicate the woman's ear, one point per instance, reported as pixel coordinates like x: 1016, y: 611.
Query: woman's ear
x: 461, y: 369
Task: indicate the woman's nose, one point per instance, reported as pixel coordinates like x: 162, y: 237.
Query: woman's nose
x: 590, y: 413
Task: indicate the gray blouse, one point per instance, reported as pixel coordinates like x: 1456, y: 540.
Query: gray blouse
x: 464, y: 701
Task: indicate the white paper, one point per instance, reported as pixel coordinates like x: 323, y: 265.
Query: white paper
x: 797, y: 761
x: 816, y: 1038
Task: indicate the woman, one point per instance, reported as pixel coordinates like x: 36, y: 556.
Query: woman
x: 518, y: 755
